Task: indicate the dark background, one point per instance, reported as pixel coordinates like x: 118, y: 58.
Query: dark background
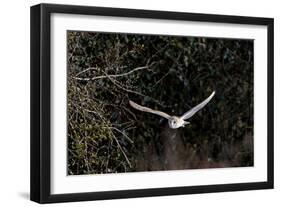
x: 168, y: 73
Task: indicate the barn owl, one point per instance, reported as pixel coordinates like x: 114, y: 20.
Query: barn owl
x: 174, y: 121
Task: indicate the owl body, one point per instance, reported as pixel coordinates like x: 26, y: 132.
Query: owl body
x: 176, y: 122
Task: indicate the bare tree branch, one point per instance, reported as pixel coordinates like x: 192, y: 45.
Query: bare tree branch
x: 83, y: 71
x: 109, y: 76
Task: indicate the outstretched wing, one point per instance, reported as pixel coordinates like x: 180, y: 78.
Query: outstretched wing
x: 192, y: 111
x: 149, y: 110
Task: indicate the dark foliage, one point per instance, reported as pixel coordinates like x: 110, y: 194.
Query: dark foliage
x: 168, y: 73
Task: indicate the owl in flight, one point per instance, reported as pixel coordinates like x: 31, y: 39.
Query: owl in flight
x: 174, y: 121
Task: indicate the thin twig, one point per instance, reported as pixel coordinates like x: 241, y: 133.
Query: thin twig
x: 126, y: 136
x: 164, y: 76
x: 125, y: 89
x: 135, y: 92
x: 83, y: 71
x: 120, y: 147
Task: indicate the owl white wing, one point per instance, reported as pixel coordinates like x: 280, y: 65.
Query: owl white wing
x: 149, y: 110
x: 195, y: 109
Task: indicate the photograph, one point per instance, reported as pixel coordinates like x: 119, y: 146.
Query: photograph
x: 149, y: 102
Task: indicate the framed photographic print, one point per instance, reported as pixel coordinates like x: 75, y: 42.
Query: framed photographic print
x: 132, y: 103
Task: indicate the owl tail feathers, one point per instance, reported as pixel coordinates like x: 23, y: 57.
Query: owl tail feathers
x: 186, y: 123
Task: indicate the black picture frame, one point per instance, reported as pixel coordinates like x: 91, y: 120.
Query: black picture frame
x: 40, y: 102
